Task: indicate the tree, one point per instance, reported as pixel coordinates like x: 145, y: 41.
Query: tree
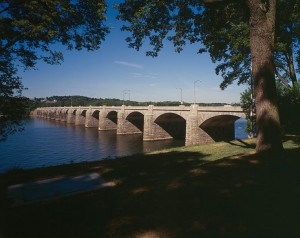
x: 287, y: 43
x: 29, y: 31
x: 206, y: 22
x: 289, y: 107
x: 12, y: 106
x: 248, y: 106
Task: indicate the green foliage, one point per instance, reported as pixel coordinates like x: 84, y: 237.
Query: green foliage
x: 248, y: 106
x: 28, y: 26
x: 67, y: 101
x: 287, y: 42
x: 12, y: 104
x: 29, y: 30
x: 61, y: 101
x: 13, y: 110
x: 289, y: 107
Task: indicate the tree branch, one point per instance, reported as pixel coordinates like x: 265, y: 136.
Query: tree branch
x: 282, y: 67
x: 4, y: 10
x: 282, y: 79
x: 9, y: 44
x: 212, y: 1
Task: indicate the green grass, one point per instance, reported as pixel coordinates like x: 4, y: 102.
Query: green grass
x: 215, y: 190
x: 216, y: 151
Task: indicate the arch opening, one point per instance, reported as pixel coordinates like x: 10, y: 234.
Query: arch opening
x: 137, y: 119
x: 173, y: 124
x: 95, y: 114
x: 83, y: 113
x: 113, y: 116
x: 220, y: 128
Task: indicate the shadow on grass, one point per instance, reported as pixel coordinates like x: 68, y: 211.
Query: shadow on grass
x: 242, y: 144
x: 176, y: 194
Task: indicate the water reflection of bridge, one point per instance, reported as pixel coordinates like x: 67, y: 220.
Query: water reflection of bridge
x: 194, y: 124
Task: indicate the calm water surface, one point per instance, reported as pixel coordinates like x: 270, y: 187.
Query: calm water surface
x: 47, y: 143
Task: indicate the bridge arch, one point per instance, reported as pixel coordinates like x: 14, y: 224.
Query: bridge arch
x: 83, y: 113
x: 112, y: 116
x: 64, y: 111
x: 80, y: 117
x: 108, y: 120
x: 61, y: 114
x: 96, y: 114
x: 137, y: 119
x: 220, y: 128
x: 173, y: 124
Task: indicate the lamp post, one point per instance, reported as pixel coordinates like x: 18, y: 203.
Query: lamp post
x: 181, y: 102
x: 124, y: 93
x: 195, y: 90
x: 128, y: 91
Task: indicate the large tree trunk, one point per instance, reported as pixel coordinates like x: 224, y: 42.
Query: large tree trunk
x: 262, y: 32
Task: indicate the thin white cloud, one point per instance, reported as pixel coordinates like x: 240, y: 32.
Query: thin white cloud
x: 137, y: 75
x: 153, y: 84
x: 129, y: 64
x: 148, y: 76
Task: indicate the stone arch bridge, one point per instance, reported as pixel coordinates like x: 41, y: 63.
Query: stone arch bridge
x: 194, y: 124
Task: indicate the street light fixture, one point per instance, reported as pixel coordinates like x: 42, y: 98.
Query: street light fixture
x: 181, y: 102
x: 195, y: 90
x: 124, y: 93
x: 128, y: 91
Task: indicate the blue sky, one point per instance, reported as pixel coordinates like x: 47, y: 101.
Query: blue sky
x: 106, y: 73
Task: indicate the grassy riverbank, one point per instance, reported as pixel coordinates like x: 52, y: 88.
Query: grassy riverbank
x: 216, y: 190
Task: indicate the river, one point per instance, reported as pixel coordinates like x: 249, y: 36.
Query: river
x: 47, y: 143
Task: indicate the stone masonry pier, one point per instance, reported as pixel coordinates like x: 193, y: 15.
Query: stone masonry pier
x: 194, y: 124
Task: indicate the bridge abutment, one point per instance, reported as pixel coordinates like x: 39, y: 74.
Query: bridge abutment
x: 90, y: 120
x: 53, y: 115
x: 152, y: 131
x: 63, y: 116
x: 194, y: 134
x: 57, y: 116
x: 71, y: 116
x: 79, y: 118
x: 105, y: 123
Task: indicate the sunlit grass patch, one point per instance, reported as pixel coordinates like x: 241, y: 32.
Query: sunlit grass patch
x: 215, y: 151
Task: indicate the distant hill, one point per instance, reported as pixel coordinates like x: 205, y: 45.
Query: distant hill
x: 61, y: 101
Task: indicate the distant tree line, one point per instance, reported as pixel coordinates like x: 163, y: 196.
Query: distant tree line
x: 67, y: 101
